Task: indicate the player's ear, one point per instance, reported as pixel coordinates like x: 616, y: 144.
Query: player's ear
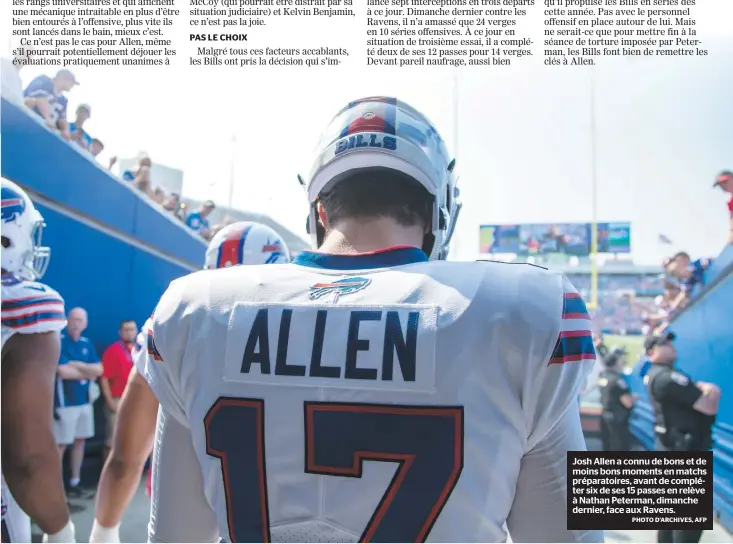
x: 320, y: 208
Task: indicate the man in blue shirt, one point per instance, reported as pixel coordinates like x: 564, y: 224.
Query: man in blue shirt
x: 689, y: 274
x: 45, y: 96
x: 74, y: 420
x: 76, y: 129
x: 198, y: 222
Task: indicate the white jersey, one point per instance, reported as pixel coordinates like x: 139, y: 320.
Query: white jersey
x: 140, y: 349
x: 377, y: 396
x: 28, y: 307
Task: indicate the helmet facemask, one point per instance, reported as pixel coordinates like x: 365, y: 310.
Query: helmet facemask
x: 24, y: 254
x: 446, y: 214
x: 22, y: 229
x: 37, y: 258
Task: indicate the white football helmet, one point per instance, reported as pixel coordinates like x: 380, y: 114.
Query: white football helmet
x: 381, y: 132
x: 22, y: 227
x: 246, y: 242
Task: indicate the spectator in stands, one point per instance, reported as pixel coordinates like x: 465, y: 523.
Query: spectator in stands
x: 182, y: 212
x: 143, y: 164
x: 198, y: 222
x: 142, y: 181
x: 76, y: 129
x: 172, y: 203
x: 74, y: 418
x: 725, y: 182
x: 158, y: 195
x: 45, y: 96
x: 117, y: 363
x: 97, y: 147
x: 689, y: 274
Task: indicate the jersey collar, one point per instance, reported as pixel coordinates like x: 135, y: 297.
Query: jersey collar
x: 383, y: 258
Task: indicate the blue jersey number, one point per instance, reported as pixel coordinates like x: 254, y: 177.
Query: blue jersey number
x: 426, y: 442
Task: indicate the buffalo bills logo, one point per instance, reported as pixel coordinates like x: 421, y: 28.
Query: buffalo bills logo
x: 13, y: 205
x: 275, y: 248
x: 345, y: 286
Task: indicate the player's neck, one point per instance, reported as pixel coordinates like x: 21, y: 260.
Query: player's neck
x: 352, y: 236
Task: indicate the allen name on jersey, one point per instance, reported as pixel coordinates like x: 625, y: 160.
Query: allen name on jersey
x: 362, y: 345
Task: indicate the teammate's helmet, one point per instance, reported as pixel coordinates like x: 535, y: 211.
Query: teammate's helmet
x: 246, y: 242
x: 380, y: 132
x: 22, y: 226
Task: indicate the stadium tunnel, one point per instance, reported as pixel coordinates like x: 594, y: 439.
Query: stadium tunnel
x: 113, y: 251
x: 705, y: 351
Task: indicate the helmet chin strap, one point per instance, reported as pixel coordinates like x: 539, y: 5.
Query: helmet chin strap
x: 320, y: 230
x: 450, y: 229
x: 428, y: 242
x: 452, y: 225
x: 428, y: 239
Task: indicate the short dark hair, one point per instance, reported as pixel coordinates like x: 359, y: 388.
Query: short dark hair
x: 124, y: 321
x: 681, y: 254
x: 379, y: 192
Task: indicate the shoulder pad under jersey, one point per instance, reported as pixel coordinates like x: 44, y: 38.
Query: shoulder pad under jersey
x: 30, y: 307
x: 504, y: 262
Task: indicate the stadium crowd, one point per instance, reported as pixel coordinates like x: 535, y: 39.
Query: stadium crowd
x: 623, y: 299
x: 196, y: 220
x: 46, y: 97
x: 646, y: 303
x: 683, y: 276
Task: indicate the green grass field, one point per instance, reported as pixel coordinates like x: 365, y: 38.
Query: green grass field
x: 634, y: 345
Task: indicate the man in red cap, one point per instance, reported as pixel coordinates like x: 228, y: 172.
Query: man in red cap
x: 724, y: 180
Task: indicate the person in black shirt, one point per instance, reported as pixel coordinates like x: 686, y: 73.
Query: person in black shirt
x: 617, y: 402
x: 684, y: 411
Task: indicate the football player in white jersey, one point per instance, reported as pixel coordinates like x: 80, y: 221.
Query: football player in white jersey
x: 32, y: 317
x: 370, y: 390
x: 245, y: 243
